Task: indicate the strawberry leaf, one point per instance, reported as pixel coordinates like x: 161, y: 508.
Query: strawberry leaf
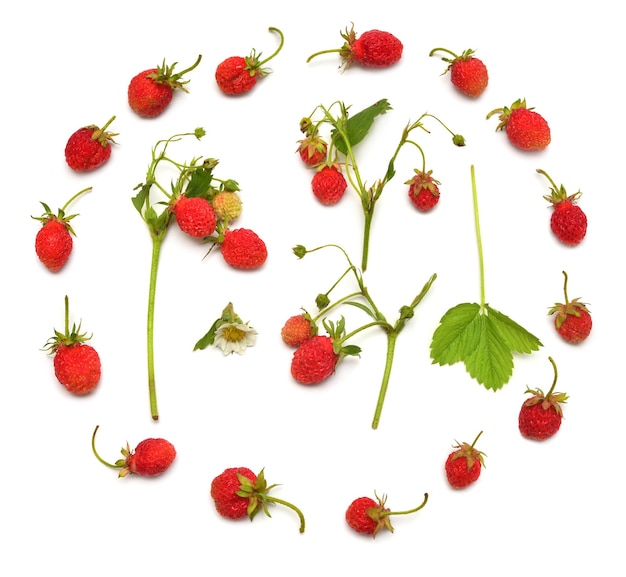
x: 358, y: 126
x: 199, y: 183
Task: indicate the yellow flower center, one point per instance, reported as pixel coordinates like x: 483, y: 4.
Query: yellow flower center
x: 233, y: 335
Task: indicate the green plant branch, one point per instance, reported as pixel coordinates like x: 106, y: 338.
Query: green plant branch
x: 478, y: 241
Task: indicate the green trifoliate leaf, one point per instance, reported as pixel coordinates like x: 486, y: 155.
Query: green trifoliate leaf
x: 358, y: 126
x: 484, y: 340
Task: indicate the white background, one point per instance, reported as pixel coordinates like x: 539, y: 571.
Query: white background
x: 538, y: 507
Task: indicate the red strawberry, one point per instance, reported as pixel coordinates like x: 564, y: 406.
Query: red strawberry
x: 89, y: 147
x: 463, y: 466
x: 151, y: 91
x: 298, y: 329
x: 195, y: 215
x: 150, y: 458
x: 314, y: 360
x: 568, y: 221
x: 237, y: 74
x: 540, y: 416
x: 467, y: 73
x: 238, y: 492
x: 76, y: 365
x: 367, y: 516
x: 53, y: 243
x: 423, y: 190
x: 243, y: 248
x: 329, y: 185
x: 373, y: 49
x: 573, y: 319
x: 312, y: 150
x: 525, y: 128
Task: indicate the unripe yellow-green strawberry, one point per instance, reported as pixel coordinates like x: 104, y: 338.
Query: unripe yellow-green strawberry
x: 227, y: 205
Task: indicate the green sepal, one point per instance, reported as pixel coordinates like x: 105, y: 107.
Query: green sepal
x: 209, y: 338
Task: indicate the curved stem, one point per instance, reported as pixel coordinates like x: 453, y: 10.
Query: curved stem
x: 93, y: 448
x: 179, y: 74
x: 540, y: 171
x: 329, y: 51
x: 383, y: 324
x: 287, y: 504
x: 75, y: 197
x: 565, y: 288
x: 479, y: 241
x: 410, y: 510
x: 157, y: 239
x: 282, y: 41
x: 391, y: 345
x: 421, y: 152
x: 432, y: 52
x: 556, y: 375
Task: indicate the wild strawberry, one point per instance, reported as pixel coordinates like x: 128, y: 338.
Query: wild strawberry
x: 463, y: 466
x: 314, y: 360
x: 329, y: 185
x: 151, y: 91
x: 367, y: 516
x: 423, y: 190
x: 76, y: 365
x: 150, y: 458
x: 467, y: 73
x: 568, y: 221
x: 298, y: 329
x: 312, y: 150
x: 540, y: 416
x: 238, y: 492
x: 243, y: 248
x: 53, y: 243
x: 227, y: 205
x: 237, y: 74
x: 373, y: 49
x: 195, y: 215
x: 525, y: 128
x: 89, y: 147
x: 573, y: 319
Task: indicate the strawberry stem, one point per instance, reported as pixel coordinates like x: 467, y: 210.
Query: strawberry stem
x: 554, y: 186
x: 555, y: 378
x: 75, y: 197
x: 386, y: 513
x: 432, y: 53
x: 157, y: 239
x: 93, y: 448
x: 282, y: 41
x: 270, y: 499
x: 67, y: 316
x: 478, y: 241
x: 565, y: 288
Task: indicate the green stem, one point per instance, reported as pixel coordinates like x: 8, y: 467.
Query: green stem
x: 282, y: 41
x: 391, y: 346
x: 556, y: 376
x: 479, y: 242
x: 421, y: 152
x: 410, y: 510
x: 329, y: 51
x: 67, y: 316
x: 93, y: 448
x: 75, y: 197
x: 383, y: 324
x: 565, y: 288
x: 432, y: 52
x: 270, y: 499
x: 157, y: 239
x: 366, y: 237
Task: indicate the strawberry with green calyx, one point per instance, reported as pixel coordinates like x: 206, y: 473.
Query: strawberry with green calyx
x: 572, y: 319
x: 346, y: 131
x: 468, y: 74
x: 372, y: 49
x: 540, y: 416
x: 464, y: 464
x: 53, y: 242
x: 150, y: 92
x: 228, y: 333
x: 89, y: 147
x: 77, y: 365
x: 480, y: 336
x: 329, y: 349
x: 237, y: 74
x: 297, y: 329
x: 366, y: 516
x: 237, y: 492
x: 525, y: 128
x: 151, y: 457
x: 312, y: 148
x: 568, y: 221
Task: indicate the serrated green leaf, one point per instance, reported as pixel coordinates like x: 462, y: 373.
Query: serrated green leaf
x: 516, y: 337
x: 457, y: 335
x: 358, y: 126
x: 199, y: 182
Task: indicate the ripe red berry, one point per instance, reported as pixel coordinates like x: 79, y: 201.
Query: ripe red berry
x: 53, y: 242
x: 568, y: 221
x: 243, y: 248
x: 314, y: 360
x: 237, y: 74
x: 151, y: 457
x: 573, y: 319
x: 423, y: 190
x: 89, y: 147
x: 525, y: 128
x: 329, y: 185
x: 76, y: 364
x: 366, y: 516
x: 463, y: 465
x: 298, y: 329
x: 373, y: 49
x: 467, y: 73
x: 540, y: 416
x: 151, y: 91
x: 195, y: 216
x: 238, y: 492
x: 312, y: 150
